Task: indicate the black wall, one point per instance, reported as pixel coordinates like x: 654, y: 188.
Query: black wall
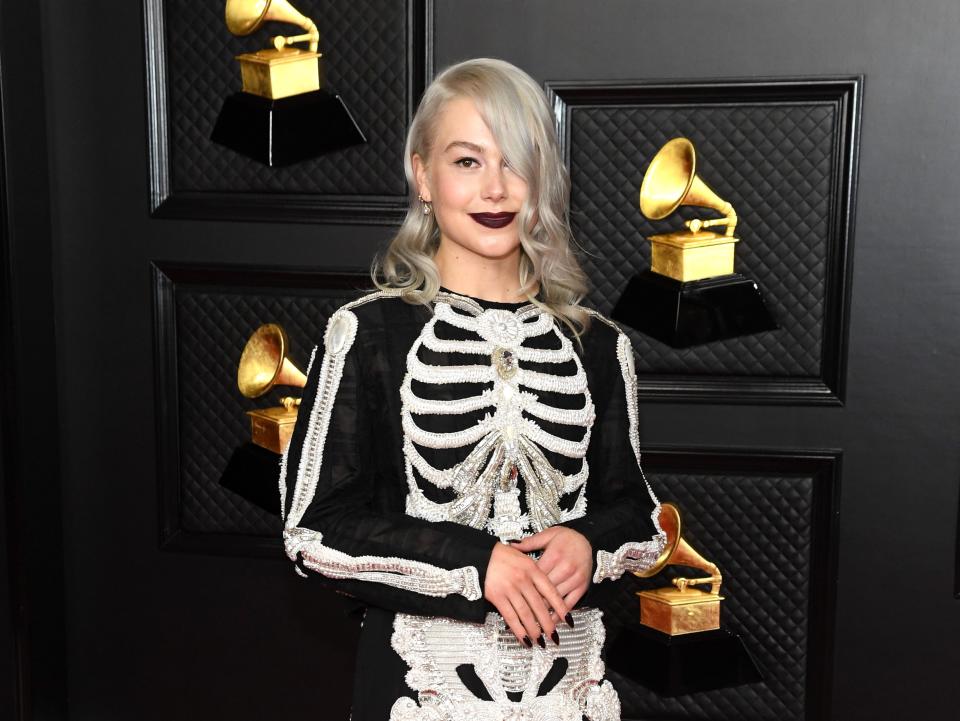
x: 152, y: 634
x: 32, y: 639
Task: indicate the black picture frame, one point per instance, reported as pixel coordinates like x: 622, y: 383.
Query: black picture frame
x: 167, y: 278
x: 845, y: 94
x: 167, y: 201
x: 825, y: 468
x: 956, y: 576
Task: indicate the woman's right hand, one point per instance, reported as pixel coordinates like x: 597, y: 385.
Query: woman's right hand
x: 523, y: 595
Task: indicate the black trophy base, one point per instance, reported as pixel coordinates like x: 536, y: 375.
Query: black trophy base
x: 254, y: 473
x: 288, y: 130
x: 677, y: 665
x: 698, y: 311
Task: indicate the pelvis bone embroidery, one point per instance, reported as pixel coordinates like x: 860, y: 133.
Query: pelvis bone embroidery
x: 480, y: 672
x: 508, y: 442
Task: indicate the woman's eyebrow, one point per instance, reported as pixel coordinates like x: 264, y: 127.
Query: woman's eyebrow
x: 465, y: 144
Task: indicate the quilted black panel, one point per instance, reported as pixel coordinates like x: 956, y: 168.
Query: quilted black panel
x: 772, y: 161
x: 365, y: 60
x: 758, y: 530
x: 213, y: 325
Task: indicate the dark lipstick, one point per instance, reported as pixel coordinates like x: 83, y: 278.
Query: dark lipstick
x: 493, y: 220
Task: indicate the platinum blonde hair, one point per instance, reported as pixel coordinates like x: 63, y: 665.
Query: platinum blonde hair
x: 515, y: 110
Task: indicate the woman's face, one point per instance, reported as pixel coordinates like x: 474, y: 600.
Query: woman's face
x: 476, y: 197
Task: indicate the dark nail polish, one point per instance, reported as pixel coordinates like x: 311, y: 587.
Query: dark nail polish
x: 526, y: 642
x: 569, y: 619
x: 555, y: 637
x: 540, y: 642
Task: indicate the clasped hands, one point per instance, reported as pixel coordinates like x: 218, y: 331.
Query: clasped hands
x: 534, y: 595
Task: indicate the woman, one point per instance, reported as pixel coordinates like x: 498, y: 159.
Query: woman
x: 466, y: 458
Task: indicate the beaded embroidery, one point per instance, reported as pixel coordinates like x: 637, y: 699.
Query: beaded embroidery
x: 434, y: 648
x: 635, y: 555
x: 286, y: 453
x: 338, y: 339
x: 508, y: 440
x: 402, y: 573
x: 398, y: 572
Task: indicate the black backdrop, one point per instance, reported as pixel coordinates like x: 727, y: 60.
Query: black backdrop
x: 123, y: 629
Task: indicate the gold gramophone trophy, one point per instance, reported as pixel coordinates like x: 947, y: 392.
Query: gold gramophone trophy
x: 680, y: 608
x: 283, y: 115
x: 680, y: 646
x: 251, y: 471
x: 263, y: 365
x: 283, y: 70
x: 691, y: 294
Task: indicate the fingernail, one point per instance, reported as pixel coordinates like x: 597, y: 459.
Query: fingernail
x: 526, y: 642
x: 540, y: 642
x: 569, y: 619
x: 555, y: 637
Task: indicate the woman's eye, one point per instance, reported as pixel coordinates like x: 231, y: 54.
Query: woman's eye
x: 466, y: 162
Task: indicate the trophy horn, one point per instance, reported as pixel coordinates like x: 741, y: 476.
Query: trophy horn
x: 677, y: 552
x: 671, y: 180
x: 264, y: 363
x: 247, y: 16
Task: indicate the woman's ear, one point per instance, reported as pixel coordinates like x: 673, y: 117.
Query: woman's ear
x: 420, y: 177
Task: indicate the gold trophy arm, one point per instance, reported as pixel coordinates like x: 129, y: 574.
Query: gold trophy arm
x: 729, y: 220
x: 244, y: 17
x: 714, y: 579
x: 312, y: 35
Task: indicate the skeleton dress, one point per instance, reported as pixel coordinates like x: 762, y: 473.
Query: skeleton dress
x: 426, y: 436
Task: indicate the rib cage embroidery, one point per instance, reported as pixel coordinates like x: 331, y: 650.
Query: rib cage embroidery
x: 508, y: 442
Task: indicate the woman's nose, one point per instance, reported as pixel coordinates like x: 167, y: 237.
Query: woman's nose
x: 494, y: 187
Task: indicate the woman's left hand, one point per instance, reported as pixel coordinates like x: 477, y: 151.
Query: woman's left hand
x: 567, y: 560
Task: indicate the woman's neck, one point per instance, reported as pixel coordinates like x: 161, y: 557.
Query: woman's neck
x: 493, y: 279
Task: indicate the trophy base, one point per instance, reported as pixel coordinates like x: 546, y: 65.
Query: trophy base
x: 272, y: 428
x: 252, y: 473
x: 287, y: 130
x: 677, y: 665
x: 684, y: 314
x: 688, y: 256
x: 276, y: 74
x: 675, y: 612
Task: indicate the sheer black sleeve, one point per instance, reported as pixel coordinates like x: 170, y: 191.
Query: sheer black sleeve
x: 337, y: 529
x: 620, y: 504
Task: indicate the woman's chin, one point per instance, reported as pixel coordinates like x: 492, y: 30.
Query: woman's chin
x: 489, y: 245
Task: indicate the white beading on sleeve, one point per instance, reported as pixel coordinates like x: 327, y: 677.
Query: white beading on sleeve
x: 398, y: 572
x: 635, y: 555
x: 632, y: 556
